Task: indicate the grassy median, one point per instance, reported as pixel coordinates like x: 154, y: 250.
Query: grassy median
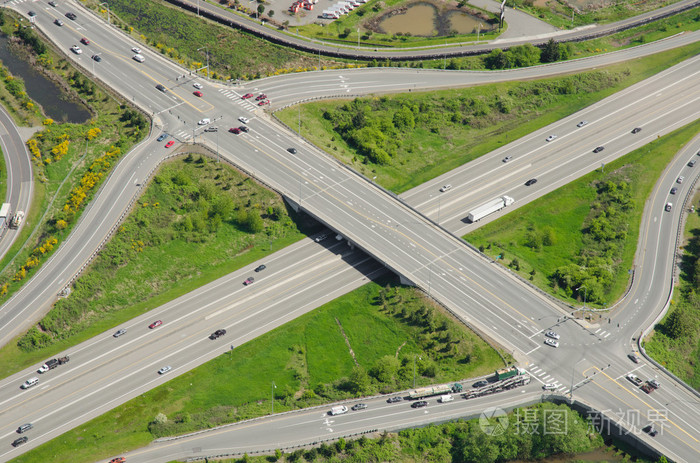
x: 388, y: 327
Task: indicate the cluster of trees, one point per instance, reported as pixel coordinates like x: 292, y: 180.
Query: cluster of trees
x: 133, y: 118
x: 604, y: 233
x: 30, y: 38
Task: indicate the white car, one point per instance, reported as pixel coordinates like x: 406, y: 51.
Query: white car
x: 43, y: 369
x: 245, y: 120
x: 136, y: 50
x: 197, y: 85
x: 549, y: 387
x: 204, y: 121
x: 581, y: 124
x: 507, y: 158
x: 551, y: 334
x: 551, y: 342
x: 551, y: 137
x: 680, y: 179
x: 164, y: 370
x: 445, y: 188
x: 669, y: 206
x: 76, y: 49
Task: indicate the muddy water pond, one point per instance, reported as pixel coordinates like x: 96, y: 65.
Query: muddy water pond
x: 41, y: 89
x: 427, y: 20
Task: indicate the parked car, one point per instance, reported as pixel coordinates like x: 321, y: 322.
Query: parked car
x: 551, y: 334
x: 419, y: 404
x: 248, y: 281
x: 161, y: 137
x: 164, y: 370
x: 119, y: 332
x: 260, y: 268
x: 169, y: 144
x: 217, y: 334
x: 532, y: 181
x: 393, y: 400
x: 551, y: 137
x: 551, y: 342
x: 197, y: 93
x: 636, y: 130
x: 598, y: 149
x: 155, y: 324
x: 84, y: 41
x: 581, y: 124
x: 235, y: 130
x: 446, y: 187
x: 357, y: 407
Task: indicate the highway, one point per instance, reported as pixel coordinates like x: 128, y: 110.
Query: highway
x: 407, y: 242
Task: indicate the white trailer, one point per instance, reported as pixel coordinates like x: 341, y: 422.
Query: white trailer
x: 489, y: 208
x: 5, y: 214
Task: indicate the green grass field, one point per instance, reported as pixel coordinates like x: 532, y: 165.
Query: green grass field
x: 307, y: 359
x: 565, y: 211
x: 455, y: 126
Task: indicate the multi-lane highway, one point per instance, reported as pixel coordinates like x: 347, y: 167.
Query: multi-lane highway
x: 484, y: 295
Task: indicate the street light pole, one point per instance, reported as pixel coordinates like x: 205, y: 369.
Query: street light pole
x: 206, y: 49
x: 573, y: 369
x: 414, y: 369
x: 105, y: 3
x: 272, y: 397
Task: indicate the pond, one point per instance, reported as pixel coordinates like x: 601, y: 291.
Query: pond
x: 427, y: 20
x: 42, y: 90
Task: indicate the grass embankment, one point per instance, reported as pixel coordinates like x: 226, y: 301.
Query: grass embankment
x: 675, y: 343
x: 69, y: 159
x: 405, y: 140
x: 560, y: 14
x: 198, y: 221
x: 585, y: 233
x: 179, y: 34
x: 309, y: 361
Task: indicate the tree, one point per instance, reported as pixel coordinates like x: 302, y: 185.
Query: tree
x: 497, y: 59
x: 359, y: 381
x: 261, y: 9
x: 551, y: 52
x: 271, y: 13
x: 679, y: 323
x: 254, y: 222
x: 386, y: 368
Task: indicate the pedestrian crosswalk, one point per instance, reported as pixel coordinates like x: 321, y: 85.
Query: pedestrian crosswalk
x: 602, y: 333
x: 232, y: 95
x: 545, y: 378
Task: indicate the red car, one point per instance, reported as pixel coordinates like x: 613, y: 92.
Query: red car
x: 169, y: 144
x: 155, y: 323
x: 84, y: 41
x: 118, y: 460
x: 264, y: 102
x: 246, y: 96
x: 197, y: 93
x: 262, y: 96
x: 249, y: 281
x: 235, y: 130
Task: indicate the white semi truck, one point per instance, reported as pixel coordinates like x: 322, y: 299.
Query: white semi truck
x: 489, y: 208
x: 5, y: 215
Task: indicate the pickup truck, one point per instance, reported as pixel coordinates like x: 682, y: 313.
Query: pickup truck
x: 634, y: 379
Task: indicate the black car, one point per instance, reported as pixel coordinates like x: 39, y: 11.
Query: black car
x: 599, y: 149
x: 70, y: 15
x: 393, y: 400
x: 260, y: 268
x: 97, y: 58
x: 31, y: 14
x: 162, y: 137
x: 359, y: 407
x: 217, y: 334
x: 636, y: 130
x: 292, y: 150
x: 19, y: 441
x: 58, y: 22
x: 162, y: 88
x: 691, y: 163
x: 419, y: 404
x: 481, y: 383
x: 650, y: 429
x: 244, y: 128
x: 52, y: 3
x: 532, y: 181
x: 674, y: 190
